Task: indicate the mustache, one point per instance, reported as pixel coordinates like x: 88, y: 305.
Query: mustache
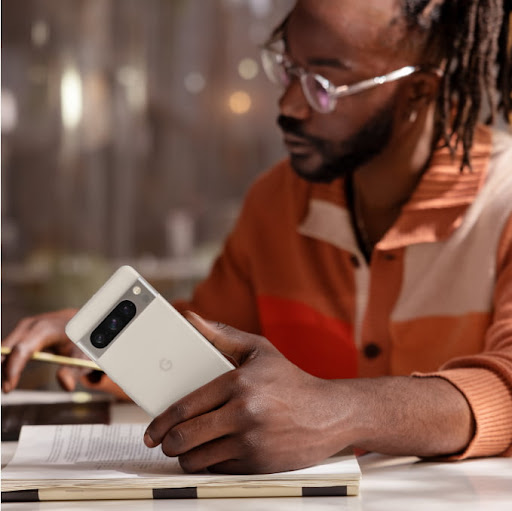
x: 294, y: 127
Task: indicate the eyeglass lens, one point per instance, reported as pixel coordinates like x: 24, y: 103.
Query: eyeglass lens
x: 317, y: 94
x: 280, y: 73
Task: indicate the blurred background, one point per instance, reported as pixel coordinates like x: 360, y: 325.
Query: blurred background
x: 131, y: 130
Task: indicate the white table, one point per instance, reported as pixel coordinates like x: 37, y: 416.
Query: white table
x: 388, y: 484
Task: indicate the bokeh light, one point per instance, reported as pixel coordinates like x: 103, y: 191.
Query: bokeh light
x: 240, y: 102
x: 248, y: 69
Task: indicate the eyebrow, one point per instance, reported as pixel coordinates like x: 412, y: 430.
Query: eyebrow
x: 329, y: 62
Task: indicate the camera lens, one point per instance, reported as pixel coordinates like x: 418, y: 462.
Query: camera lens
x: 99, y: 339
x: 127, y: 309
x: 114, y: 323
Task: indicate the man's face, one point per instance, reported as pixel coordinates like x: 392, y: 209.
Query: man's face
x: 345, y: 41
x: 321, y: 160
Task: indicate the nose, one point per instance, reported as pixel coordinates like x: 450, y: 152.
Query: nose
x: 293, y: 103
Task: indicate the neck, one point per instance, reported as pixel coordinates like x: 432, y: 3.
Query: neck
x: 384, y: 185
x: 387, y: 182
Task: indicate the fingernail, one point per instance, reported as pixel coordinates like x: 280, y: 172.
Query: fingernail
x: 65, y: 378
x: 69, y: 382
x: 7, y: 387
x: 148, y: 440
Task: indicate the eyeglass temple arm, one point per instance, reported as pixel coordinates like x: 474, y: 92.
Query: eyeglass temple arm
x: 343, y: 90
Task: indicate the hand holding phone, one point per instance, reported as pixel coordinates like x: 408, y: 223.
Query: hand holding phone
x: 143, y: 344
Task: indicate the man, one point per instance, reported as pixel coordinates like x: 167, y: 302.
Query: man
x: 381, y: 249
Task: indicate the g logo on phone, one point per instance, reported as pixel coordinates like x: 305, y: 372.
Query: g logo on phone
x: 165, y: 364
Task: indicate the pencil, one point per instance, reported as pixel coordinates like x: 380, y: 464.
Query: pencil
x: 58, y: 359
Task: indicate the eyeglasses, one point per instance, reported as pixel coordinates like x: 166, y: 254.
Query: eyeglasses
x: 320, y: 93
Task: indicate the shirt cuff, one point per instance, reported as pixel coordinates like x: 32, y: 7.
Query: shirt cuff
x: 490, y: 401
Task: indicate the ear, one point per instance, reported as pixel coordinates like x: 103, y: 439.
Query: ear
x: 421, y: 90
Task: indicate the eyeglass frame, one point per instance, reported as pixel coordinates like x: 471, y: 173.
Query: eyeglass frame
x: 334, y: 92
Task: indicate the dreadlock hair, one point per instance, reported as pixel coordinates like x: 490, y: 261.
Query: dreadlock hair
x: 471, y: 39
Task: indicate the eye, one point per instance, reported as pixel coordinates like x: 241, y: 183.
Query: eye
x: 286, y: 62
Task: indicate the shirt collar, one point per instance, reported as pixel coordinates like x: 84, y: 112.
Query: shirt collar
x: 433, y: 212
x: 438, y: 204
x: 444, y: 185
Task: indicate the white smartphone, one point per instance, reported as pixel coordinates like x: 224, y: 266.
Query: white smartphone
x: 143, y: 344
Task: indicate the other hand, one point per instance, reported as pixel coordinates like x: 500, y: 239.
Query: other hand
x: 38, y: 333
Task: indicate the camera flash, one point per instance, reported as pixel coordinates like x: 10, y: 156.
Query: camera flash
x: 136, y: 290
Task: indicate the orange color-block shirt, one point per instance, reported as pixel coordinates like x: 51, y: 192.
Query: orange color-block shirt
x: 435, y: 300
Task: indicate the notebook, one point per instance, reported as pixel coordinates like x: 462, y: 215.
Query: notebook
x: 97, y: 462
x: 17, y: 415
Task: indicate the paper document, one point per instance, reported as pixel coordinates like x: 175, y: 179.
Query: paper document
x: 87, y: 450
x: 113, y: 457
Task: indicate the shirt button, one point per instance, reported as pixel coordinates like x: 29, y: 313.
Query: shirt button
x: 372, y: 351
x: 355, y: 261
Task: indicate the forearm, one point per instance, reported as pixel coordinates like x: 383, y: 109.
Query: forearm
x: 407, y: 416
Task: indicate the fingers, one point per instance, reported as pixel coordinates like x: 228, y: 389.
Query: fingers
x: 202, y: 401
x: 212, y: 442
x: 30, y: 335
x: 191, y: 434
x: 19, y: 332
x: 225, y: 455
x: 223, y: 450
x: 232, y: 466
x: 8, y: 369
x: 23, y: 342
x: 99, y: 381
x: 69, y: 376
x: 230, y: 341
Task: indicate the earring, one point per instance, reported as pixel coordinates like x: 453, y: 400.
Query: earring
x: 413, y: 116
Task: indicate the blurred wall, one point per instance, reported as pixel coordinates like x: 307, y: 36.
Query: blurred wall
x: 130, y: 131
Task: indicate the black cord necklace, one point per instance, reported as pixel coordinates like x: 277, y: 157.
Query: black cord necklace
x: 356, y: 218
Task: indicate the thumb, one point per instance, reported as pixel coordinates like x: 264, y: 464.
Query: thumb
x: 67, y: 377
x: 231, y: 342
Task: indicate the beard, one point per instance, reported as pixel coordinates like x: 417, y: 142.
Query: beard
x: 342, y: 158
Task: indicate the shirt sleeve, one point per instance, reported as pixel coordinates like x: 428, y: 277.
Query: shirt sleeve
x: 485, y: 379
x: 227, y: 294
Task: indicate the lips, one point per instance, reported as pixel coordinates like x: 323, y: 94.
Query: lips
x: 296, y: 144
